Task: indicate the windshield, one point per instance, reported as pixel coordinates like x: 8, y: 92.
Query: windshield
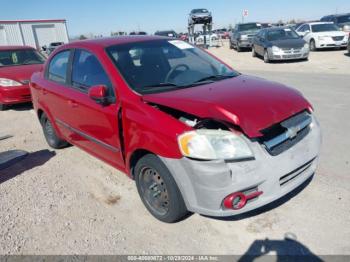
x: 20, y: 57
x: 324, y: 28
x: 198, y: 11
x: 249, y: 27
x: 344, y: 19
x: 282, y: 34
x: 165, y: 65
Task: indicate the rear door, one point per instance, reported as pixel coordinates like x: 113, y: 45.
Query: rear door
x: 94, y: 127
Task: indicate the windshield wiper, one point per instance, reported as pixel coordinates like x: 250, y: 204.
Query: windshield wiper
x: 213, y: 78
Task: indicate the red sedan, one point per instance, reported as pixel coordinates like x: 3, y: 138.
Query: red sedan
x: 194, y: 134
x: 17, y: 64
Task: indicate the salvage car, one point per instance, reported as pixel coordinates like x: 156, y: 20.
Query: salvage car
x: 17, y: 64
x: 193, y: 133
x: 200, y: 16
x: 279, y: 43
x: 242, y: 35
x: 322, y: 35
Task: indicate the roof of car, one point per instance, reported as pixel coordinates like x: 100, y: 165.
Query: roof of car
x: 336, y: 15
x: 119, y: 40
x: 276, y: 28
x: 318, y: 23
x: 15, y: 47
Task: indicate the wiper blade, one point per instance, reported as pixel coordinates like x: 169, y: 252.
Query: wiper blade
x: 160, y: 85
x: 213, y: 77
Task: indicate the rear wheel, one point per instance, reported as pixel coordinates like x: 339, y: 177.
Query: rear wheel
x: 313, y: 45
x: 3, y: 107
x: 50, y: 134
x: 239, y: 49
x: 266, y: 57
x: 158, y: 190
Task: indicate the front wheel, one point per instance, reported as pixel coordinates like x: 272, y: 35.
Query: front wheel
x: 50, y: 134
x: 266, y: 57
x: 253, y: 51
x: 158, y: 190
x: 313, y: 45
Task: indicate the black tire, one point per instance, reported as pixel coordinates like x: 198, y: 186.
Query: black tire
x: 3, y: 107
x: 238, y: 48
x: 50, y: 134
x: 313, y: 45
x: 158, y: 190
x: 253, y: 51
x: 266, y: 57
x: 231, y: 45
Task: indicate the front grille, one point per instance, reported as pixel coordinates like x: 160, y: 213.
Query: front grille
x: 282, y: 136
x: 291, y: 50
x: 338, y: 38
x: 284, y: 180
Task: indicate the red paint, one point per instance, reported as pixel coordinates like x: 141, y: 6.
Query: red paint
x: 97, y: 92
x: 228, y: 201
x: 249, y: 102
x: 16, y: 94
x: 246, y: 101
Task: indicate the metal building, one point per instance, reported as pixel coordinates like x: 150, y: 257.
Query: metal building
x: 35, y: 33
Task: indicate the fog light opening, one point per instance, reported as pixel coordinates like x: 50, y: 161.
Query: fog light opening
x: 239, y: 200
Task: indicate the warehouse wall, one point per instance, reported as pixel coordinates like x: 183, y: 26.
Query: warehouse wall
x: 11, y: 34
x: 35, y: 34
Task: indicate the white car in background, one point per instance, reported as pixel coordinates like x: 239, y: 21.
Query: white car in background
x: 323, y: 35
x: 213, y: 38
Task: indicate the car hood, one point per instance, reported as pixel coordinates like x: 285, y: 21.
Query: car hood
x: 19, y: 73
x: 289, y: 43
x: 251, y: 103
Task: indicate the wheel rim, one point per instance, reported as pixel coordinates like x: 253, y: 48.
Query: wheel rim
x: 265, y: 57
x: 154, y: 190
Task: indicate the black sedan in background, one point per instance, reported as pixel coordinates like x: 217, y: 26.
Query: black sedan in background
x: 281, y: 43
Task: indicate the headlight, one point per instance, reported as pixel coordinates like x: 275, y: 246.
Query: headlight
x: 321, y: 38
x: 275, y: 49
x: 213, y: 145
x: 306, y: 46
x: 9, y: 82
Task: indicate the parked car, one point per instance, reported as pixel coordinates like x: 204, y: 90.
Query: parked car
x: 212, y: 37
x: 349, y: 47
x: 184, y: 36
x: 138, y: 33
x: 169, y: 33
x: 323, y: 35
x: 243, y: 34
x: 341, y: 20
x: 52, y: 46
x: 200, y: 16
x: 178, y: 121
x: 17, y: 64
x: 279, y: 43
x: 222, y: 33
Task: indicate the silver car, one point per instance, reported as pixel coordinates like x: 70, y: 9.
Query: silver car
x: 200, y: 16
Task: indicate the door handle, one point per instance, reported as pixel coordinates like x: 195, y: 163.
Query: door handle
x: 72, y: 103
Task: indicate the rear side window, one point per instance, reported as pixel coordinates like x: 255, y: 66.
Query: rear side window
x: 87, y: 71
x: 58, y: 67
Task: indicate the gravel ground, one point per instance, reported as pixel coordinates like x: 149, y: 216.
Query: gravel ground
x: 67, y: 202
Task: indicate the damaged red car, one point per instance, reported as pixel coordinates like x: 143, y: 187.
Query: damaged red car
x: 194, y: 134
x: 17, y: 64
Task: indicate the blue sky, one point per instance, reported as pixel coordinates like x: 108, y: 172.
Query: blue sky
x: 104, y: 16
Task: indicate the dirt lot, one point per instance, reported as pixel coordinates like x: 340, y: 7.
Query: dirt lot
x: 67, y: 202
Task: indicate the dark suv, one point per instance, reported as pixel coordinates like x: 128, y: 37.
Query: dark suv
x: 341, y: 20
x: 243, y: 35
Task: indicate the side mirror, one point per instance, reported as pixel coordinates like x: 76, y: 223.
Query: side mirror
x: 99, y: 94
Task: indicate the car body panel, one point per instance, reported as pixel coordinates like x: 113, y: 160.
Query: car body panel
x: 232, y: 100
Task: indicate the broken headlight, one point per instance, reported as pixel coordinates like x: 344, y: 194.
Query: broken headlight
x: 208, y: 144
